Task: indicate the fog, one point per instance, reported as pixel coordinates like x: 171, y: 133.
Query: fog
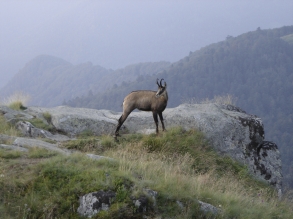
x: 114, y: 34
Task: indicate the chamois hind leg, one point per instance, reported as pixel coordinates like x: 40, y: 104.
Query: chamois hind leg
x: 121, y: 120
x: 155, y: 115
x: 162, y: 120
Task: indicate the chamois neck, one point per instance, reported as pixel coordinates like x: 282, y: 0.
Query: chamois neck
x: 165, y: 95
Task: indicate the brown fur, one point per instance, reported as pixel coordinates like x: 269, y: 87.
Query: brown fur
x: 145, y: 100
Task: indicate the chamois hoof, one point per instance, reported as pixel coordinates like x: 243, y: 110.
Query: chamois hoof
x: 115, y: 138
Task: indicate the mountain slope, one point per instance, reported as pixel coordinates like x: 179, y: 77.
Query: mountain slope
x: 255, y: 67
x: 50, y: 80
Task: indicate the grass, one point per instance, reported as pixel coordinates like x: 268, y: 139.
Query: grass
x: 41, y: 124
x: 17, y: 101
x: 9, y: 154
x: 178, y: 164
x: 48, y: 117
x: 7, y: 129
x: 90, y: 144
x: 17, y: 105
x: 36, y: 152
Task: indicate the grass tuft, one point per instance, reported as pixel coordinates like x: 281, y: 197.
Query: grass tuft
x: 17, y: 105
x: 10, y: 154
x: 7, y: 129
x: 48, y: 117
x: 41, y: 124
x: 37, y: 152
x: 17, y: 101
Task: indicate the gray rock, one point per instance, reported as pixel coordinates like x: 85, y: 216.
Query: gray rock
x: 13, y: 147
x: 142, y: 204
x: 13, y: 116
x: 180, y: 204
x: 229, y: 130
x: 208, y: 208
x: 92, y: 203
x: 27, y: 142
x: 98, y: 157
x: 77, y: 120
x: 266, y: 163
x: 152, y: 194
x: 27, y: 129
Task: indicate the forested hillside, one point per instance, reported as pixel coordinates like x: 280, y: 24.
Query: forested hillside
x: 50, y: 80
x: 255, y: 67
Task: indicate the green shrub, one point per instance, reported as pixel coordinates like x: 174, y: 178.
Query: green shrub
x: 37, y: 152
x: 85, y: 134
x: 17, y: 105
x: 48, y: 117
x: 92, y: 144
x: 10, y: 154
x: 107, y: 141
x: 41, y: 124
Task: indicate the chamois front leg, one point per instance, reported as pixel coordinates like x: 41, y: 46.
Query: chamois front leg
x: 120, y: 123
x: 155, y: 115
x: 162, y: 120
x: 118, y: 126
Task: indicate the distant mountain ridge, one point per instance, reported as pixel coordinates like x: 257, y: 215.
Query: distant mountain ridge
x: 50, y: 80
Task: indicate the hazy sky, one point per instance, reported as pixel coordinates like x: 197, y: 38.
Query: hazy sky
x: 114, y: 34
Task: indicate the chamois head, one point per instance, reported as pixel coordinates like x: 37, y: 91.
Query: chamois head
x: 161, y: 88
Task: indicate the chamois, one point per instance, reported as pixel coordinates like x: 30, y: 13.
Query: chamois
x: 145, y: 100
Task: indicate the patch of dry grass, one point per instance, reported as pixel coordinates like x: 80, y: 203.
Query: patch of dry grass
x: 17, y: 101
x: 173, y: 176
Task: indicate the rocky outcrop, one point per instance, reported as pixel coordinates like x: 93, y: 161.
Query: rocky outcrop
x: 229, y: 130
x: 73, y: 121
x: 28, y: 130
x: 28, y: 142
x: 92, y: 203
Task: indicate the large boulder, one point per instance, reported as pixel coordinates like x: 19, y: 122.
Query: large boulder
x: 230, y: 131
x: 29, y: 130
x: 13, y: 116
x: 92, y: 203
x: 74, y: 121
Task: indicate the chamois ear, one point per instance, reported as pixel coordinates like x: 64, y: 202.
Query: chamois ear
x: 165, y: 84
